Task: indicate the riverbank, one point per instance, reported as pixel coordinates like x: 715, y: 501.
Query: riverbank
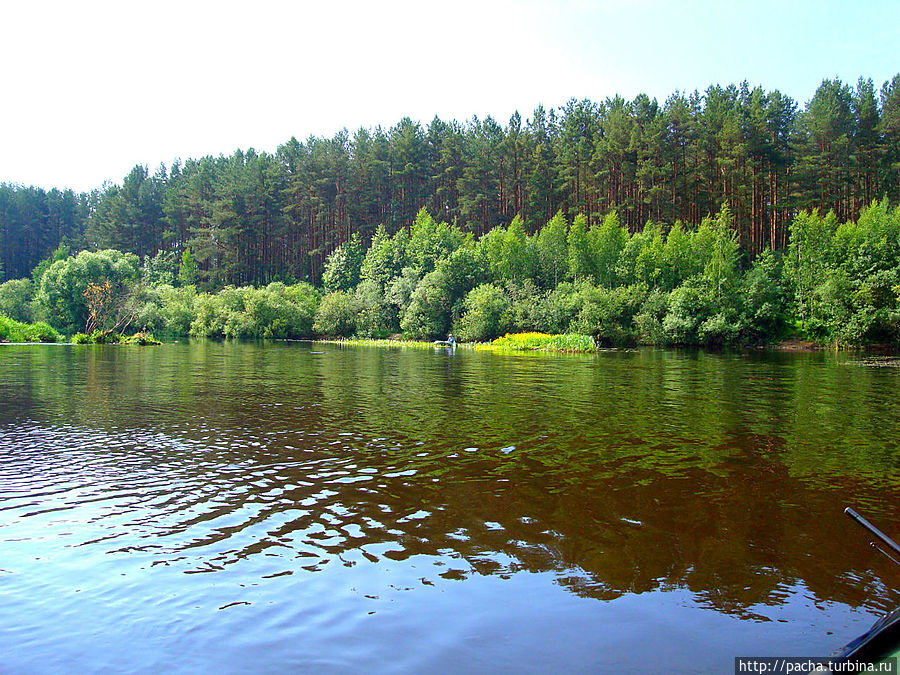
x: 572, y: 343
x: 19, y: 332
x: 396, y: 342
x: 511, y: 342
x: 563, y: 343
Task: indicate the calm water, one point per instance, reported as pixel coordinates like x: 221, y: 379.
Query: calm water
x: 221, y: 508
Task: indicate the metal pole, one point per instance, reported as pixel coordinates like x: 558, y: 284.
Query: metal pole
x: 886, y: 540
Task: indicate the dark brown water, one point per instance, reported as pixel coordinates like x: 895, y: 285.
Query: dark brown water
x: 223, y: 508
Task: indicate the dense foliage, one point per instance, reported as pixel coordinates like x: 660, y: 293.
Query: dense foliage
x: 835, y: 283
x: 90, y: 289
x: 17, y: 331
x: 256, y: 217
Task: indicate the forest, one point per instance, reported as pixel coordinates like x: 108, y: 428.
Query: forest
x: 835, y: 283
x: 730, y: 216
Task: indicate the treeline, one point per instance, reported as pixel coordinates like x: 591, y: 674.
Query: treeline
x: 257, y: 217
x: 33, y: 222
x: 834, y: 283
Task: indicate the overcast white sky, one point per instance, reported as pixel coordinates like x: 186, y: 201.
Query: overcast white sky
x: 89, y: 89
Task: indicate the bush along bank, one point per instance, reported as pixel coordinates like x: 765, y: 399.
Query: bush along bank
x: 109, y: 338
x: 18, y: 331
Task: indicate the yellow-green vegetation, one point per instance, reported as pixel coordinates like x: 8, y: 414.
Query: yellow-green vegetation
x: 141, y: 338
x: 99, y: 337
x: 17, y: 331
x: 544, y: 342
x: 386, y: 342
x: 538, y: 342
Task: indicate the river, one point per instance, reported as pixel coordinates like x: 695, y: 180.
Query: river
x: 282, y: 507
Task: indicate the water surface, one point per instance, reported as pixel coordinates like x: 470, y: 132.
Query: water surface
x: 211, y: 507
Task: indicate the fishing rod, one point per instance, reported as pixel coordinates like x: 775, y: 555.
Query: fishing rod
x: 881, y: 536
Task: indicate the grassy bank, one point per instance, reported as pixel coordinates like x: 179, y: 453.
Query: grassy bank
x: 17, y: 331
x: 516, y: 342
x: 544, y: 342
x: 101, y: 337
x: 386, y: 342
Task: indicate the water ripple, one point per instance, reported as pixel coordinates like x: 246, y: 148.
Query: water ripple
x: 412, y: 488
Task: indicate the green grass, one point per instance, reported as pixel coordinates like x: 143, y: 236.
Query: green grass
x: 383, y: 342
x: 106, y: 338
x: 565, y: 342
x: 140, y: 338
x: 542, y: 342
x: 16, y: 331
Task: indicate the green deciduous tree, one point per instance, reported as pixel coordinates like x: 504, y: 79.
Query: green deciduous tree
x: 343, y: 266
x: 581, y: 260
x: 15, y: 299
x: 428, y: 313
x: 337, y: 314
x: 608, y: 241
x: 553, y: 251
x: 61, y: 295
x: 187, y: 271
x: 484, y: 315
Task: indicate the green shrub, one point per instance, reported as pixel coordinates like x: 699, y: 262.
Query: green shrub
x: 18, y: 331
x: 42, y: 332
x: 485, y: 314
x: 277, y: 311
x: 571, y: 342
x: 607, y: 315
x: 857, y: 312
x: 530, y: 308
x: 100, y: 337
x: 718, y: 330
x: 689, y: 306
x: 11, y: 330
x: 103, y: 337
x: 15, y: 299
x: 141, y: 338
x: 648, y: 322
x: 209, y: 316
x: 563, y: 305
x: 219, y: 314
x: 336, y: 315
x: 428, y: 313
x: 375, y: 318
x: 304, y: 301
x: 167, y: 309
x: 763, y: 300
